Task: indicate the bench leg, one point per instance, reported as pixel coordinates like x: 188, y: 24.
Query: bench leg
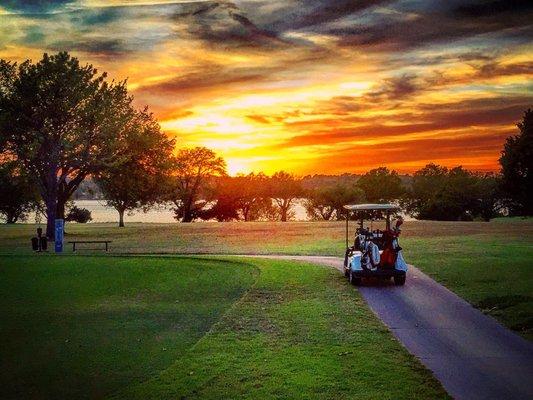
x: 73, y: 247
x: 105, y: 246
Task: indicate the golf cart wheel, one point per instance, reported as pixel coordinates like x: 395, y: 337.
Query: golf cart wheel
x: 399, y: 280
x: 354, y: 280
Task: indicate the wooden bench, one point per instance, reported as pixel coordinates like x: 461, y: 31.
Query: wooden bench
x: 74, y: 242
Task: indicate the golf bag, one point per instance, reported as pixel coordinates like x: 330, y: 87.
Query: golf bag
x: 370, y: 257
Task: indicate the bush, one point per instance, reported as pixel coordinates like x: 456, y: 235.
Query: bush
x: 80, y: 215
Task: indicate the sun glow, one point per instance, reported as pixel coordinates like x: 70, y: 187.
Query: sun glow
x: 268, y: 87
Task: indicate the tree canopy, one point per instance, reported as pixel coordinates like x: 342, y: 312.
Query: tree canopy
x: 440, y: 193
x: 381, y: 185
x: 242, y: 197
x: 62, y: 121
x: 19, y: 194
x: 517, y: 168
x: 284, y: 189
x: 138, y: 178
x: 191, y: 171
x: 327, y: 203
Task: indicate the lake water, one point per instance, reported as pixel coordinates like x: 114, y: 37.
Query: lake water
x: 100, y: 212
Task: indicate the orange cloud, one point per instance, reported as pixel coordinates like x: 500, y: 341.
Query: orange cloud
x: 304, y: 86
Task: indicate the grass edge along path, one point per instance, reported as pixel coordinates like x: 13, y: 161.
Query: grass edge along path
x: 493, y: 275
x: 300, y: 331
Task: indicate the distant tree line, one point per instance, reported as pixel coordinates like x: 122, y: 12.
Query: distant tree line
x: 66, y: 132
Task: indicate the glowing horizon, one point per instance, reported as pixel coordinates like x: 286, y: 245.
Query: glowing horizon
x: 274, y: 85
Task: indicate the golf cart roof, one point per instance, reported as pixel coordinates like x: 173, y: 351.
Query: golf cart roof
x: 369, y: 207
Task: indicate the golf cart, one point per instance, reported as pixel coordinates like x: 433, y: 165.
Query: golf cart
x: 374, y: 253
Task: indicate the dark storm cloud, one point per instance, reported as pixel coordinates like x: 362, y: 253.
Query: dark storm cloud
x: 223, y: 24
x: 495, y: 8
x: 305, y: 14
x: 109, y: 47
x: 99, y: 16
x: 34, y: 35
x: 265, y: 24
x: 422, y: 27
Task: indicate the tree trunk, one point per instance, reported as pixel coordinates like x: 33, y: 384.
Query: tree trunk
x: 187, y: 211
x: 11, y: 218
x: 49, y: 192
x: 51, y: 209
x: 187, y: 216
x: 121, y: 218
x: 283, y: 214
x: 60, y: 213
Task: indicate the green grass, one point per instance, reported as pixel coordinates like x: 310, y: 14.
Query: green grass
x: 321, y: 238
x: 176, y: 327
x: 488, y: 264
x: 172, y: 327
x: 300, y: 332
x: 81, y: 327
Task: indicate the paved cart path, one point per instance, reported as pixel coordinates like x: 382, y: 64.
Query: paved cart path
x: 471, y: 354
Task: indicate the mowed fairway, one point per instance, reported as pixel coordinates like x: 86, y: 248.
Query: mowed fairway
x: 83, y: 327
x: 149, y: 327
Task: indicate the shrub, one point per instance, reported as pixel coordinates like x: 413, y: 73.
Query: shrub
x: 80, y: 215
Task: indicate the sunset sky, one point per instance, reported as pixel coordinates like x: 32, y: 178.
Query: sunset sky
x: 308, y: 86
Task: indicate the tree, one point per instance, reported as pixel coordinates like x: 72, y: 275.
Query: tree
x: 223, y: 196
x: 19, y: 194
x: 139, y: 178
x: 243, y: 197
x: 80, y: 215
x: 62, y: 121
x: 7, y: 76
x: 327, y: 203
x: 517, y: 168
x: 192, y: 169
x: 380, y: 185
x: 488, y: 188
x: 284, y: 190
x: 426, y: 183
x: 439, y: 193
x: 253, y: 200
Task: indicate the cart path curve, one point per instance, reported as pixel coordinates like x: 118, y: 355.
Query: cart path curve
x: 471, y: 354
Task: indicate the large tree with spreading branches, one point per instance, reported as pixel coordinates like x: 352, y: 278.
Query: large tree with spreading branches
x: 139, y: 178
x: 62, y: 122
x: 191, y: 172
x: 285, y: 189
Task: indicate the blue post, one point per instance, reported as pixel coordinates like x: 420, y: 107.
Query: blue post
x: 59, y: 229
